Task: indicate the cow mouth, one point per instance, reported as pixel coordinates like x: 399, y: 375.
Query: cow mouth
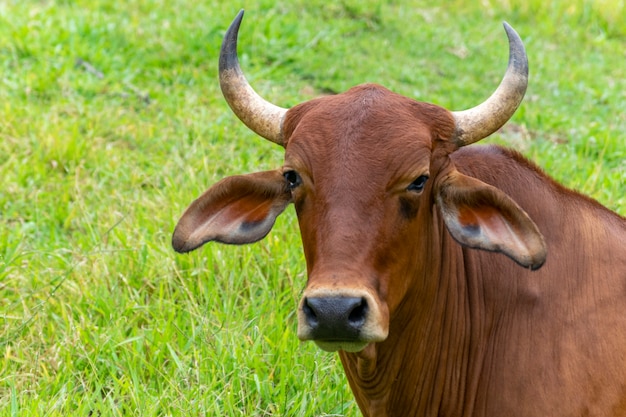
x: 345, y: 345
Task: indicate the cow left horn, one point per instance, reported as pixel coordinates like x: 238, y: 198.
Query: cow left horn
x: 481, y: 121
x: 261, y: 116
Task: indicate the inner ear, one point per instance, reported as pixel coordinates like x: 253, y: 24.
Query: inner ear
x: 237, y: 210
x: 480, y: 216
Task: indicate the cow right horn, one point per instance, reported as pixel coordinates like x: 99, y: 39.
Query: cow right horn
x: 481, y: 121
x: 261, y: 116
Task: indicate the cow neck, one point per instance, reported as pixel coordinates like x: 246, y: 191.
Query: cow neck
x: 422, y: 368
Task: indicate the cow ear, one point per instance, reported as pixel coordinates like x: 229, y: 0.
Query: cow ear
x: 237, y: 210
x: 480, y: 216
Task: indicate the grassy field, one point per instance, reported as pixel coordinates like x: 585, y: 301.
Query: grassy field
x: 111, y: 122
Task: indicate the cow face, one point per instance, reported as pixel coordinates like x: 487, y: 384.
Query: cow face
x: 369, y: 174
x: 358, y: 165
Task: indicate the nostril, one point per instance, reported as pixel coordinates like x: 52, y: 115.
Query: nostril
x: 309, y: 313
x: 358, y: 314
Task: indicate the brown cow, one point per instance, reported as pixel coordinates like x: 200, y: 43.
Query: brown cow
x: 393, y: 209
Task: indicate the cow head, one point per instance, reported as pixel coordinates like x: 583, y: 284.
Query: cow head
x: 369, y: 174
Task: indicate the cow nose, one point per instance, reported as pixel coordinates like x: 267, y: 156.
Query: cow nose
x: 335, y: 318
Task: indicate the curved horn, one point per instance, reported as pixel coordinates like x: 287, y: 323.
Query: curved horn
x: 261, y: 116
x: 481, y: 121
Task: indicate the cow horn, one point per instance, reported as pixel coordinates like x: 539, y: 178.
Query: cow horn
x: 261, y: 116
x: 481, y: 121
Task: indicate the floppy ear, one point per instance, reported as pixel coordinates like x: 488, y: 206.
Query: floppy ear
x: 480, y: 216
x: 237, y: 210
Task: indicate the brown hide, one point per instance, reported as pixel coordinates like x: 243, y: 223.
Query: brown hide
x: 487, y: 338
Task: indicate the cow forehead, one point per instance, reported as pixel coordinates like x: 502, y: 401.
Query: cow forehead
x: 365, y: 131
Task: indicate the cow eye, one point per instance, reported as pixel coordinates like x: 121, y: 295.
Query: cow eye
x: 418, y: 184
x: 292, y: 178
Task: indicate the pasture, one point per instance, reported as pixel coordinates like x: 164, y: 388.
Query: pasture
x: 112, y: 122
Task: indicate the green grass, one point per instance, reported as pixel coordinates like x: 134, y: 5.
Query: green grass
x: 111, y: 122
